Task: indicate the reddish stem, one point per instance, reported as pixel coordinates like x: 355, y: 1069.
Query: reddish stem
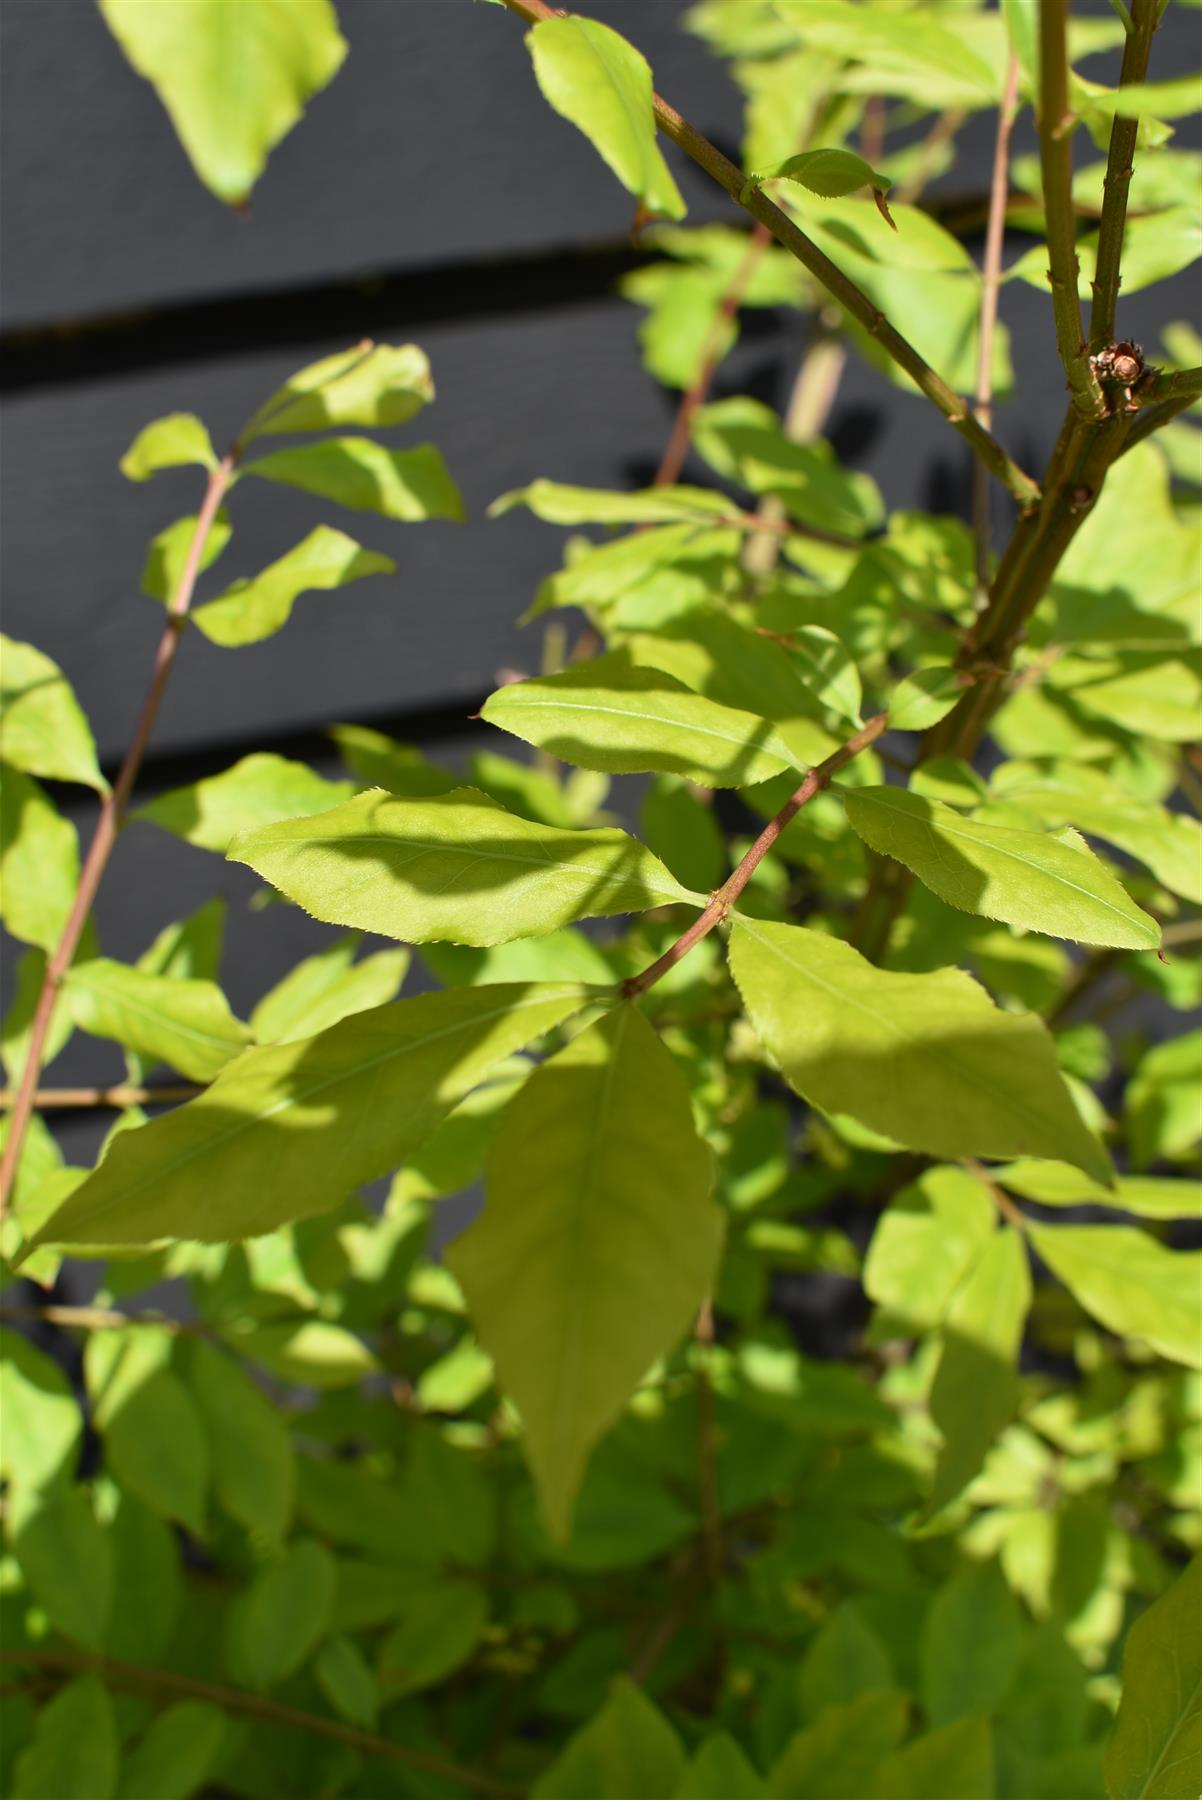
x: 721, y: 902
x: 697, y: 392
x: 112, y: 813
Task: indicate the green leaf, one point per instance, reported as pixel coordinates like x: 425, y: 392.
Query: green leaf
x: 611, y: 714
x: 1135, y: 1285
x: 975, y: 1390
x: 74, y: 1752
x: 559, y: 504
x: 189, y: 949
x: 289, y: 1129
x: 628, y: 1748
x: 1056, y: 1184
x: 178, y: 1756
x: 953, y: 1763
x: 745, y: 442
x: 597, y: 1244
x: 455, y: 866
x: 258, y: 790
x: 923, y: 1247
x: 254, y: 1471
x: 595, y: 79
x: 913, y: 46
x: 372, y: 385
x: 1048, y: 883
x: 277, y: 1623
x: 845, y: 1660
x: 719, y: 1771
x: 313, y: 1353
x: 381, y: 761
x: 829, y: 672
x: 927, y: 1060
x: 168, y: 552
x: 347, y: 1681
x: 838, y: 1755
x: 185, y: 1023
x: 684, y: 833
x: 367, y: 477
x: 972, y: 1638
x: 67, y: 1559
x: 234, y: 80
x: 322, y: 989
x: 147, y: 1581
x: 42, y: 725
x: 39, y: 862
x: 1161, y: 1102
x: 1172, y: 99
x: 168, y: 443
x: 252, y: 610
x: 1155, y: 1749
x: 438, y: 1633
x: 925, y: 697
x: 832, y: 173
x: 42, y: 1421
x: 155, y: 1444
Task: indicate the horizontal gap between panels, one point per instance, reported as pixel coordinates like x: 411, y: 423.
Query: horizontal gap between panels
x: 74, y: 351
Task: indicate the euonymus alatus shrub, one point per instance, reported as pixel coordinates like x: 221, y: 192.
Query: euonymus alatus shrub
x: 567, y: 1511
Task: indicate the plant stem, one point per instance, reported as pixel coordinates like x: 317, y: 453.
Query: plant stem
x: 255, y: 1706
x: 991, y: 274
x: 1056, y: 160
x: 117, y: 1097
x: 112, y: 814
x: 712, y: 350
x: 721, y: 902
x: 100, y: 1318
x: 1119, y: 167
x: 850, y: 297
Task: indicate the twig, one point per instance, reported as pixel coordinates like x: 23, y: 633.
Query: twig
x: 100, y: 1318
x: 697, y: 392
x: 850, y: 297
x: 255, y: 1706
x: 1005, y: 1205
x: 991, y: 274
x: 46, y: 1098
x: 721, y: 902
x: 112, y: 813
x: 1119, y: 167
x: 1056, y: 161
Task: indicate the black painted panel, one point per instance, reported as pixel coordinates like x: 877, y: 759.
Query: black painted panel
x: 432, y: 144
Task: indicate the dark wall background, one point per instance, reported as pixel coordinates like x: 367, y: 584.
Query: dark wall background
x: 429, y: 193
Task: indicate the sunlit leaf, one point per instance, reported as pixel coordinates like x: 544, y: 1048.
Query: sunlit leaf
x: 43, y: 729
x: 254, y: 609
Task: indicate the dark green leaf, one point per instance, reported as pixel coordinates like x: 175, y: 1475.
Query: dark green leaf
x: 277, y: 1623
x: 178, y: 1756
x: 74, y: 1752
x: 1155, y: 1750
x: 629, y: 1748
x: 250, y: 1447
x: 597, y: 1245
x: 67, y: 1559
x: 971, y: 1642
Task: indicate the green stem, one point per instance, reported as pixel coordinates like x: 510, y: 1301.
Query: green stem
x: 1056, y: 160
x: 852, y: 298
x: 1119, y: 166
